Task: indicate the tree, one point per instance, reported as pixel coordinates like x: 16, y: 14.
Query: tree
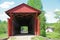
x: 35, y: 4
x: 57, y: 15
x: 0, y: 21
x: 38, y: 5
x: 42, y: 24
x: 3, y: 27
x: 57, y: 25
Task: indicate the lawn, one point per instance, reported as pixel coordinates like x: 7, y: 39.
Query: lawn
x: 53, y: 35
x: 3, y: 35
x: 49, y: 36
x: 43, y: 38
x: 39, y: 38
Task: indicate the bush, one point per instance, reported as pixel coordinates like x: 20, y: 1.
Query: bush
x: 43, y: 33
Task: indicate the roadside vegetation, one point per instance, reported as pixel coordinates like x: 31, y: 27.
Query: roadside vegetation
x: 3, y: 29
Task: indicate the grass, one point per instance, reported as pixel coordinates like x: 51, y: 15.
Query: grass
x: 3, y: 35
x: 53, y: 35
x: 43, y: 38
x: 39, y: 38
x: 49, y: 36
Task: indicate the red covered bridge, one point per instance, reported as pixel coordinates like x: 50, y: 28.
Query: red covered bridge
x: 23, y: 15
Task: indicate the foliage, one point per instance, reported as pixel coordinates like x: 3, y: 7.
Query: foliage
x: 53, y: 35
x: 57, y: 14
x: 3, y: 27
x: 42, y: 24
x: 35, y: 3
x: 56, y: 32
x: 0, y: 21
x: 3, y: 35
x: 57, y: 25
x: 24, y: 29
x: 49, y: 37
x: 38, y: 5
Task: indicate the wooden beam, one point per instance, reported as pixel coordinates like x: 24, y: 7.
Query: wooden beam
x: 9, y: 27
x: 38, y: 26
x: 11, y: 21
x: 35, y: 24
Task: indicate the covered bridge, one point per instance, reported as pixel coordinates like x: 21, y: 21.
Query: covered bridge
x: 23, y: 15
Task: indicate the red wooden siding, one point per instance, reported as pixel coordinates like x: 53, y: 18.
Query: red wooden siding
x: 22, y: 9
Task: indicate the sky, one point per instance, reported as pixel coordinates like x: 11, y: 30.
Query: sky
x: 49, y: 6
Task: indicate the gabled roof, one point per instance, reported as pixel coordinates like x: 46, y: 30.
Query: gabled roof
x: 22, y: 9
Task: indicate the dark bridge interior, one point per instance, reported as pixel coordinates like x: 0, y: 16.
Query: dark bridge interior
x: 20, y: 21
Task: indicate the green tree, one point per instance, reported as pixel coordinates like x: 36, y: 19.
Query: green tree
x: 3, y: 27
x: 57, y: 15
x: 0, y: 21
x: 35, y: 4
x: 42, y: 24
x: 57, y: 25
x: 38, y: 5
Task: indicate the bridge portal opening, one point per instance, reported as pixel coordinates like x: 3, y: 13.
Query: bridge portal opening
x: 23, y: 25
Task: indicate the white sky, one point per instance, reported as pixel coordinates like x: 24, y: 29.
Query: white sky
x: 5, y: 5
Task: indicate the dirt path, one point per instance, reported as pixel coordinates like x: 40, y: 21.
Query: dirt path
x: 28, y: 37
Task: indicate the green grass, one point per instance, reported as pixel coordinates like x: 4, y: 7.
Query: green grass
x: 49, y: 35
x: 3, y: 35
x: 53, y: 35
x: 39, y: 38
x: 43, y: 38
